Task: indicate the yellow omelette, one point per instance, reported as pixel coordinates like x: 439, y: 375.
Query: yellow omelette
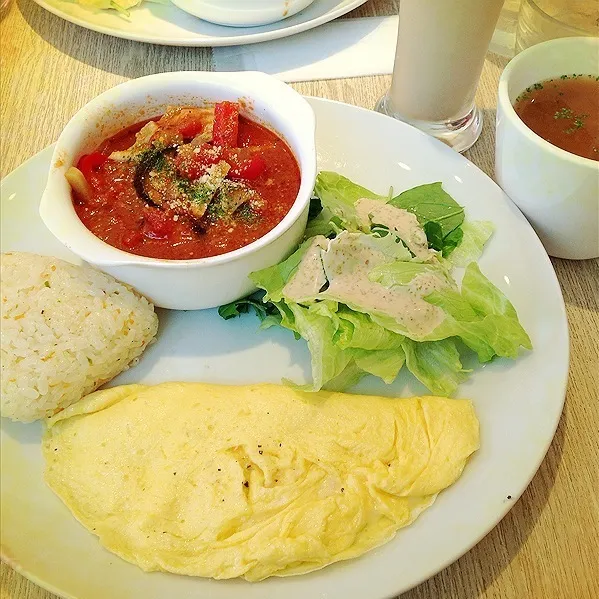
x: 251, y: 481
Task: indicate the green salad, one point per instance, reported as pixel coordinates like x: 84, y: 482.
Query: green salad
x: 371, y: 289
x: 121, y: 6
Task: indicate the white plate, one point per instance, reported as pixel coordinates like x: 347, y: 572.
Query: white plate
x: 166, y: 24
x: 518, y: 402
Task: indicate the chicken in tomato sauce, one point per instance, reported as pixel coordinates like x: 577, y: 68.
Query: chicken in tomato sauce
x: 193, y: 183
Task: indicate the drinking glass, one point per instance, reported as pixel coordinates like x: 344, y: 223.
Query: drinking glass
x: 441, y: 47
x: 503, y: 41
x: 542, y: 20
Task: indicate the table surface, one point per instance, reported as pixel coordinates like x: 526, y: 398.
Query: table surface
x: 546, y: 545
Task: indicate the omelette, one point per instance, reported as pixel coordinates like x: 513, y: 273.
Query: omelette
x: 251, y: 481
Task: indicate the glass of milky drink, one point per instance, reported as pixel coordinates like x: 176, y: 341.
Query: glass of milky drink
x: 441, y: 49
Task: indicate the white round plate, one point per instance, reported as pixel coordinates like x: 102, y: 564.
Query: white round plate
x: 166, y: 24
x: 518, y: 402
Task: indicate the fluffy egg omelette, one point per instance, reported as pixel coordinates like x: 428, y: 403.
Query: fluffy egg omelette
x: 251, y: 481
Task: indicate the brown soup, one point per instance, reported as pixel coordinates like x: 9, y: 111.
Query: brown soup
x: 565, y: 112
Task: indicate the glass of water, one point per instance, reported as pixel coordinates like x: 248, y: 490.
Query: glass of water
x: 542, y: 20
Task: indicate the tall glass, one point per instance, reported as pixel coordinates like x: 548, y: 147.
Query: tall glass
x: 542, y: 20
x: 441, y: 47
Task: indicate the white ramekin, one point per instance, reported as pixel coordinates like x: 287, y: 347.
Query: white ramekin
x: 557, y: 191
x: 183, y: 284
x: 242, y: 13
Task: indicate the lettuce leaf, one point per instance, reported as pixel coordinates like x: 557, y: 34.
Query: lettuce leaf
x: 338, y: 195
x: 317, y: 326
x: 350, y: 375
x: 344, y: 345
x: 474, y: 237
x: 481, y: 316
x: 335, y: 190
x: 384, y: 363
x: 345, y: 340
x: 438, y: 213
x: 436, y: 364
x: 391, y: 274
x: 431, y: 203
x: 324, y: 224
x: 358, y: 331
x: 451, y: 241
x: 274, y: 278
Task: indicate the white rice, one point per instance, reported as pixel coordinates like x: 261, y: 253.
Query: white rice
x: 65, y: 330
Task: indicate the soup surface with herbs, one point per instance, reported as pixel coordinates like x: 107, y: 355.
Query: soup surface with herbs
x: 193, y: 183
x: 565, y: 112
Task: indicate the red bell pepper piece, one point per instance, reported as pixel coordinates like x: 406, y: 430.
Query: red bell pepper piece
x: 226, y: 124
x: 89, y: 163
x: 248, y: 169
x: 191, y: 129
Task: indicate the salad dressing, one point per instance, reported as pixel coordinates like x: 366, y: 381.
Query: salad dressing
x: 404, y: 223
x: 346, y: 264
x: 309, y: 277
x: 412, y: 312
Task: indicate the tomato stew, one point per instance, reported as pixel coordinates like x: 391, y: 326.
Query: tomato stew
x: 190, y: 184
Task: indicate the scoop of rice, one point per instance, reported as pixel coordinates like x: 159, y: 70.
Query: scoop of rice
x: 65, y: 330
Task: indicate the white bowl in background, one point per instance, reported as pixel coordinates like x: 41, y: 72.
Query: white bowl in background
x: 556, y: 190
x: 242, y: 13
x: 183, y: 284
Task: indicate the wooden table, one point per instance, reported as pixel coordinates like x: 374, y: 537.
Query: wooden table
x: 546, y: 545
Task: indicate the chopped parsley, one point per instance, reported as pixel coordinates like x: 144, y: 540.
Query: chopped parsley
x: 197, y: 193
x: 577, y: 120
x: 577, y: 124
x: 563, y: 113
x: 246, y: 214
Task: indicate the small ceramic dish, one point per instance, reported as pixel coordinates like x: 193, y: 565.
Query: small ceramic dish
x: 242, y: 13
x: 197, y: 283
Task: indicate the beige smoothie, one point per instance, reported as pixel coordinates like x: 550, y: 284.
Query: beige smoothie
x: 441, y: 48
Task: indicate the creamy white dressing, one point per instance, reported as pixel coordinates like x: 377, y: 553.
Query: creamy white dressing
x: 309, y: 277
x: 427, y: 282
x: 347, y: 263
x: 402, y: 222
x: 412, y: 312
x: 351, y: 253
